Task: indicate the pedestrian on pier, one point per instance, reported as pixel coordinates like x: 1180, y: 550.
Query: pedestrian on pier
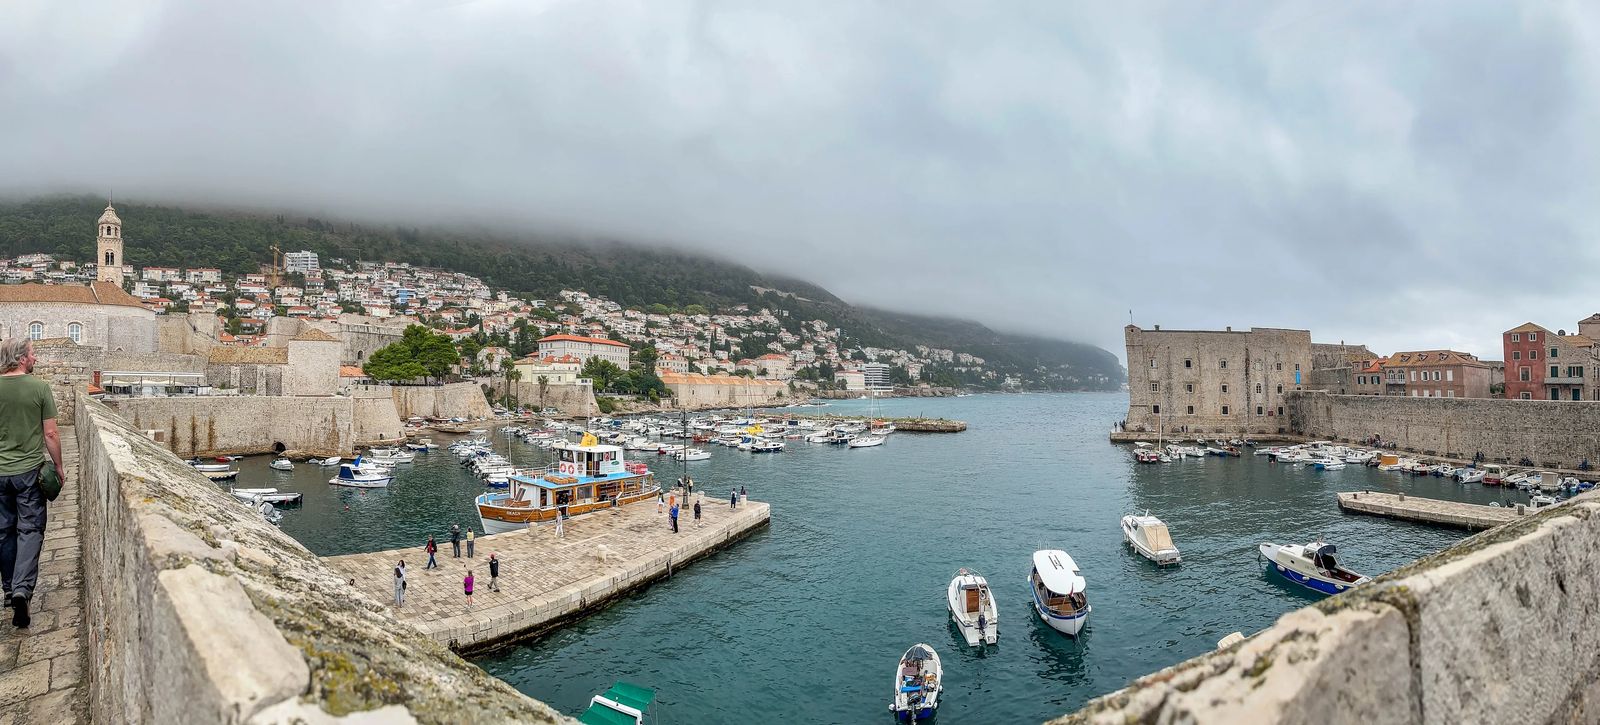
x: 561, y: 513
x: 494, y: 573
x: 455, y: 539
x: 400, y: 584
x: 697, y: 513
x: 661, y: 499
x: 743, y: 495
x: 467, y: 584
x: 29, y: 446
x: 470, y: 537
x: 431, y: 547
x: 733, y: 499
x: 673, y: 515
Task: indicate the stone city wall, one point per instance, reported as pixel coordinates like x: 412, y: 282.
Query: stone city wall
x: 199, y: 611
x: 188, y: 334
x: 452, y: 400
x: 70, y: 368
x: 1496, y: 629
x: 1557, y: 434
x: 220, y: 425
x: 574, y: 399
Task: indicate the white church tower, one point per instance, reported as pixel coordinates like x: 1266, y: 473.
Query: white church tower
x: 108, y: 248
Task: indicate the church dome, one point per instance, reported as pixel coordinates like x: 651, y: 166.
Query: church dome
x: 110, y: 216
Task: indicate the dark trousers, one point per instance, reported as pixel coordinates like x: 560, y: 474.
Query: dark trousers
x: 22, y: 515
x: 469, y: 548
x: 674, y: 524
x: 457, y: 546
x: 431, y: 563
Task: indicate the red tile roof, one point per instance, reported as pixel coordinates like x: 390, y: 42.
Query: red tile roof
x: 579, y: 338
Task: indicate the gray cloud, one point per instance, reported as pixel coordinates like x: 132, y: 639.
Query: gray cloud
x: 1409, y: 176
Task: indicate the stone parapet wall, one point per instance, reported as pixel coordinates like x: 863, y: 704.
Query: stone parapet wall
x: 1497, y: 629
x: 1554, y: 434
x: 575, y: 399
x: 199, y: 611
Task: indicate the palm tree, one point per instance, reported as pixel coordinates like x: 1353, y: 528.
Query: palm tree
x: 512, y: 376
x: 544, y: 384
x: 507, y: 367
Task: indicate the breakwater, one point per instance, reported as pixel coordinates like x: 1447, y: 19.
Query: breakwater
x: 545, y: 579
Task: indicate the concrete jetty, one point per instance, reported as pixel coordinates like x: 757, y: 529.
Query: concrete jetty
x: 546, y: 580
x: 1412, y: 508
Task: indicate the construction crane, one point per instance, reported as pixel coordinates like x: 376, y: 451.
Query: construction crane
x: 277, y: 267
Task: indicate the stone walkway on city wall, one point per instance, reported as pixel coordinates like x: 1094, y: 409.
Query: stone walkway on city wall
x: 41, y: 667
x: 545, y: 580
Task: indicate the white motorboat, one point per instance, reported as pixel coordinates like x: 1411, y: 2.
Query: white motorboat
x: 1313, y: 566
x: 693, y: 454
x: 422, y: 445
x: 1058, y: 591
x: 389, y: 456
x: 330, y: 461
x: 281, y: 464
x: 211, y: 467
x: 269, y: 495
x: 356, y: 476
x: 973, y: 609
x: 918, y: 680
x: 1327, y: 464
x: 1148, y: 535
x: 1469, y: 475
x: 763, y: 445
x: 1539, y: 501
x: 227, y: 475
x: 819, y: 438
x: 867, y: 441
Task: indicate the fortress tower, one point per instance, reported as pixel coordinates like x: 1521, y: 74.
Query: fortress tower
x: 108, y: 248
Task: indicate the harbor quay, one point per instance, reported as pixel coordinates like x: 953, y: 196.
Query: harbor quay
x: 546, y: 579
x: 1431, y: 510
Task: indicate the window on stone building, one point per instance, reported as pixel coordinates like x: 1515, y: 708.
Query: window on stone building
x: 1188, y: 363
x: 1223, y: 364
x: 1437, y: 375
x: 1224, y: 410
x: 1516, y: 337
x: 1280, y: 410
x: 36, y: 331
x: 1525, y: 396
x: 1297, y: 367
x: 1188, y: 387
x: 1258, y: 388
x: 1155, y: 387
x: 1190, y: 411
x: 1152, y: 362
x: 1577, y: 394
x: 1533, y: 354
x: 1224, y: 387
x: 1532, y: 336
x: 1155, y: 409
x: 1516, y: 354
x: 1552, y: 352
x: 1449, y: 393
x: 1449, y: 375
x: 75, y: 332
x: 1258, y: 410
x: 1280, y: 390
x: 1277, y: 366
x: 1555, y: 372
x: 1523, y: 374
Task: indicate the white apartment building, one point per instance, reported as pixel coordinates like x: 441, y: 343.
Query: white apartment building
x: 584, y: 348
x: 302, y: 262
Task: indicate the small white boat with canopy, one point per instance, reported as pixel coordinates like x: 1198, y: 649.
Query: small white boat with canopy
x: 1149, y: 536
x: 917, y: 683
x: 973, y: 608
x: 1059, y: 591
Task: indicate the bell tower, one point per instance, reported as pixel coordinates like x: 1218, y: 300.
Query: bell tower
x: 108, y: 248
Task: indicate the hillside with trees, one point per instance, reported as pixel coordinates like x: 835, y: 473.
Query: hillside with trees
x: 537, y: 267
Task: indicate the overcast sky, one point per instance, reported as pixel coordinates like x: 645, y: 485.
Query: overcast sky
x: 1409, y: 175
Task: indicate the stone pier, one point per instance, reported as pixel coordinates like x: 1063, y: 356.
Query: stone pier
x: 546, y: 580
x: 1433, y: 511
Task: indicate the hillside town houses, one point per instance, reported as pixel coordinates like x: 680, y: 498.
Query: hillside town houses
x: 570, y: 330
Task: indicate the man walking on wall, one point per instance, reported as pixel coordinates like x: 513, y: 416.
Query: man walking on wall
x: 27, y: 433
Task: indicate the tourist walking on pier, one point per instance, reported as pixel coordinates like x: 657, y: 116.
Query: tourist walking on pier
x: 27, y: 435
x: 561, y: 514
x: 455, y: 539
x: 467, y: 584
x: 744, y: 496
x: 673, y: 515
x: 661, y: 499
x: 733, y: 499
x: 697, y: 513
x: 494, y: 573
x: 431, y: 548
x: 469, y: 542
x: 400, y: 584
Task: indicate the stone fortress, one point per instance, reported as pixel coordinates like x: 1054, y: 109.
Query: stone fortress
x: 285, y: 396
x: 1199, y: 381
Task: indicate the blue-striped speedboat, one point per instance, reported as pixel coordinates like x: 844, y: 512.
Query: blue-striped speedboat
x: 1313, y: 566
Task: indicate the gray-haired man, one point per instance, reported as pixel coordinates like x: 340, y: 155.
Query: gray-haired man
x: 27, y: 433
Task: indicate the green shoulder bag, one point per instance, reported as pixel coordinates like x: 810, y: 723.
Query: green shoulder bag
x: 49, y: 481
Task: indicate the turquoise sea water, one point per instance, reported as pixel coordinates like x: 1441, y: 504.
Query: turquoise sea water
x: 804, y: 622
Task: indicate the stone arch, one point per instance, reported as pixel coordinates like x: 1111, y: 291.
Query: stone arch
x: 278, y: 447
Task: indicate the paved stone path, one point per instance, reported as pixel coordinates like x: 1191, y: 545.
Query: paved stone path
x: 543, y: 577
x: 41, y: 667
x: 1412, y: 508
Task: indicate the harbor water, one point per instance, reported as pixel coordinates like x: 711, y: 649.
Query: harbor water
x: 804, y: 621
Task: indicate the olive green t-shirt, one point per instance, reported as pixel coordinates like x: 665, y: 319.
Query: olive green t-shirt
x: 25, y: 404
